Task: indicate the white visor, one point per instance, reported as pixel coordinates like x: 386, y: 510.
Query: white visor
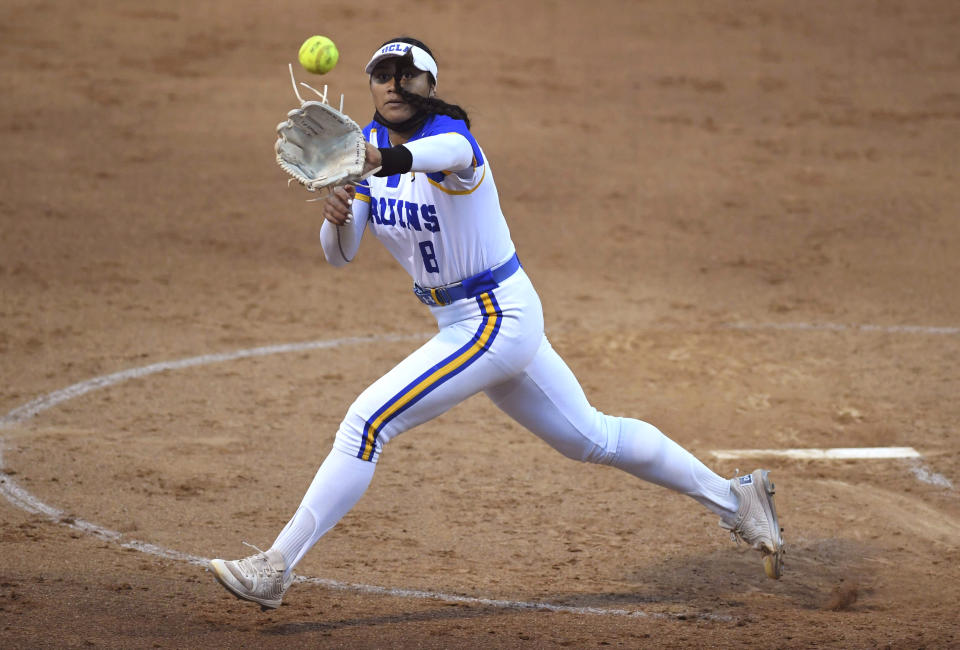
x: 421, y: 60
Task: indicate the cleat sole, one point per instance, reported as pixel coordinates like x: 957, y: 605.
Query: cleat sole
x: 773, y: 558
x: 773, y: 565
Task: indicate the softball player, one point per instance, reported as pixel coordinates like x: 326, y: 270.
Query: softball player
x: 434, y: 205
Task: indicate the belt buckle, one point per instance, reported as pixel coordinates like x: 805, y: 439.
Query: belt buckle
x: 439, y: 297
x: 424, y: 296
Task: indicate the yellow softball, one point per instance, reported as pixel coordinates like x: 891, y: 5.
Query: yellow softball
x: 318, y: 55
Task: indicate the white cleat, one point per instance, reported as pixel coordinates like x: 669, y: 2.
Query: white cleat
x: 756, y: 519
x: 258, y: 578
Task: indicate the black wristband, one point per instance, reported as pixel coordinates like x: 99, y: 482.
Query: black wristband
x: 395, y: 160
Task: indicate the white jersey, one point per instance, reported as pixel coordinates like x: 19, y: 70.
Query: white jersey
x: 441, y: 226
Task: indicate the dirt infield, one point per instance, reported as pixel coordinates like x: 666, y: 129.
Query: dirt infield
x: 743, y: 225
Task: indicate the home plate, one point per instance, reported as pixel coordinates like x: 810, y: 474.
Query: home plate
x: 836, y: 453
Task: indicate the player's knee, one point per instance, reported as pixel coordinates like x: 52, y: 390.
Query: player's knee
x: 594, y: 441
x: 354, y: 438
x: 598, y: 454
x: 582, y: 450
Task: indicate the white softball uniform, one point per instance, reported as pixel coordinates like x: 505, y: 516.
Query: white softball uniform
x: 443, y: 223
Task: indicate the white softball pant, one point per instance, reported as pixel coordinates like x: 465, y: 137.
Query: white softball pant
x: 495, y: 343
x: 492, y: 343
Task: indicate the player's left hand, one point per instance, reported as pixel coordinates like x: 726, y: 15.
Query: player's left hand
x: 320, y: 146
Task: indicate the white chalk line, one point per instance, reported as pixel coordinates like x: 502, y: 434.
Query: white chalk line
x: 925, y: 475
x: 920, y: 471
x: 836, y: 453
x: 26, y: 501
x: 841, y: 327
x: 49, y: 400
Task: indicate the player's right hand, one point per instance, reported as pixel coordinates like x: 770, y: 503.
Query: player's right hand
x: 338, y: 206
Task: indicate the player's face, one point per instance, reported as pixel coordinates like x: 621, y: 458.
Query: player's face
x: 383, y: 88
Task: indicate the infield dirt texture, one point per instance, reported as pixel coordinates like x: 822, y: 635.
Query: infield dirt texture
x: 742, y: 219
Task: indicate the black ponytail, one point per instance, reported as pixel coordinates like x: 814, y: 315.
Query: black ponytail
x: 425, y: 106
x: 433, y: 105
